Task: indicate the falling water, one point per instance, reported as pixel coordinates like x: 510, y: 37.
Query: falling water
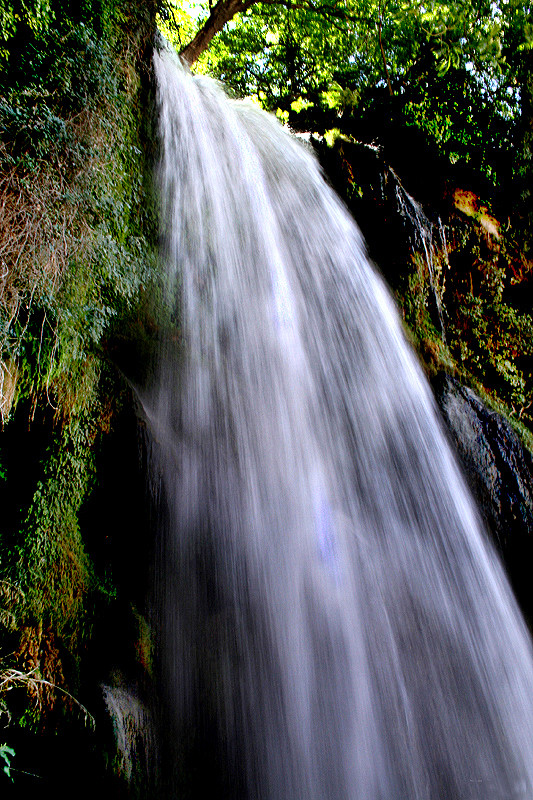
x: 133, y: 731
x: 428, y: 240
x: 334, y: 624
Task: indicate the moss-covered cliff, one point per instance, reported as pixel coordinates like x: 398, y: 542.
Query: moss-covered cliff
x: 77, y: 240
x: 456, y: 256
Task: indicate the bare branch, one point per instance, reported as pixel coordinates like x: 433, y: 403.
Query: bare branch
x: 10, y: 678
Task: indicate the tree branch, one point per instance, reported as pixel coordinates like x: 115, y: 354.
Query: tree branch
x: 224, y: 10
x: 221, y: 13
x: 384, y: 59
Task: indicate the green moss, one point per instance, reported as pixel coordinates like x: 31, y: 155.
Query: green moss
x: 76, y: 251
x: 53, y: 569
x: 77, y: 239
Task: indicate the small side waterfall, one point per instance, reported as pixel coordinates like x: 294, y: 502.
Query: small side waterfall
x: 426, y: 239
x: 334, y: 623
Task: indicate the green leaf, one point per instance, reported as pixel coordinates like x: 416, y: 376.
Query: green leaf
x: 7, y: 753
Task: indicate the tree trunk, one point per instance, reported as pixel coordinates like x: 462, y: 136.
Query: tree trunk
x: 525, y: 148
x: 221, y: 13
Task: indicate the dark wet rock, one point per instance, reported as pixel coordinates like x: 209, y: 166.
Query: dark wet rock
x: 500, y: 473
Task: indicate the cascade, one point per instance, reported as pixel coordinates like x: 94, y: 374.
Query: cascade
x: 334, y: 624
x: 426, y: 239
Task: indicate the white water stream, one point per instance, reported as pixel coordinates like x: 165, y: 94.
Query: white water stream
x: 334, y: 623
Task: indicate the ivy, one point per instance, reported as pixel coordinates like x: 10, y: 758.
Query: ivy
x: 76, y: 243
x: 7, y: 754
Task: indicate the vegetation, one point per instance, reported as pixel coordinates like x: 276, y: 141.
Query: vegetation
x: 76, y: 253
x: 434, y: 97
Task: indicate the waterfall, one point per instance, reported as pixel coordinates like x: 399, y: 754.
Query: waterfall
x: 428, y: 240
x: 334, y: 624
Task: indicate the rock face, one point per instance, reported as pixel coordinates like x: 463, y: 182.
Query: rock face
x: 500, y: 472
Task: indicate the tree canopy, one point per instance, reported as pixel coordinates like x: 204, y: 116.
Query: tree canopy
x: 459, y: 71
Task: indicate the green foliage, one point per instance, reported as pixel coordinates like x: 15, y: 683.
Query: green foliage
x: 493, y: 340
x: 177, y: 21
x: 33, y: 16
x: 496, y: 331
x: 281, y: 55
x: 7, y: 754
x: 76, y: 250
x: 52, y: 566
x: 417, y: 303
x: 489, y: 341
x: 455, y: 70
x: 463, y: 121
